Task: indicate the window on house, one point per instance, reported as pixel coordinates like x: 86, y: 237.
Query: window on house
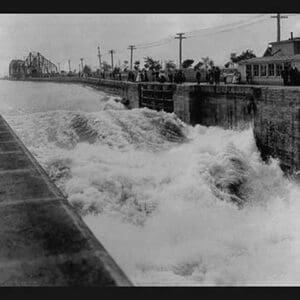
x: 278, y: 69
x: 255, y: 70
x: 263, y: 70
x: 271, y: 70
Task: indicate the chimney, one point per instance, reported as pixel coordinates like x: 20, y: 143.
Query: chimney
x: 292, y: 36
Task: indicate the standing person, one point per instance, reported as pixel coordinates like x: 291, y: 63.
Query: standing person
x: 217, y: 75
x: 207, y: 75
x: 248, y: 77
x: 162, y: 78
x: 138, y: 77
x: 285, y: 75
x: 225, y: 77
x: 211, y: 76
x: 153, y: 76
x: 238, y: 77
x: 234, y: 78
x: 181, y: 77
x: 157, y: 76
x: 142, y: 76
x: 198, y: 77
x: 171, y: 77
x: 294, y: 73
x: 298, y: 77
x: 176, y: 77
x: 146, y: 76
x: 130, y: 73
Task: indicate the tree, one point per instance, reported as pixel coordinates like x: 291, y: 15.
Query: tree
x: 151, y: 64
x: 207, y: 62
x: 247, y: 54
x: 187, y: 63
x: 199, y: 65
x: 170, y: 66
x: 87, y: 70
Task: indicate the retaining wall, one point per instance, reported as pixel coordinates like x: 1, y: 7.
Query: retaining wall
x: 273, y: 111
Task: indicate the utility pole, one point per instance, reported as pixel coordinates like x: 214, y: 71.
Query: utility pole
x: 180, y: 37
x: 112, y: 58
x: 99, y: 57
x: 279, y: 17
x: 58, y: 67
x: 81, y: 59
x: 131, y: 47
x: 69, y: 61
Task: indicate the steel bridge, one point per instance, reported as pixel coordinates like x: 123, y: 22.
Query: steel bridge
x: 37, y: 64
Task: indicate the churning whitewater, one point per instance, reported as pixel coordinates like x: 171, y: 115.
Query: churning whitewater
x: 173, y: 204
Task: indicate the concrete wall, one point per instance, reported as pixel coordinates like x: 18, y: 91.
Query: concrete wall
x: 274, y: 112
x: 277, y: 125
x: 226, y: 106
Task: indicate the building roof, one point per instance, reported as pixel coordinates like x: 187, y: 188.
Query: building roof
x: 295, y: 39
x: 270, y: 59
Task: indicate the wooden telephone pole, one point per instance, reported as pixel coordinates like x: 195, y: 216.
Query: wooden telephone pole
x: 279, y: 17
x: 69, y: 61
x: 180, y: 37
x: 81, y: 59
x: 112, y: 58
x: 131, y: 47
x: 99, y: 57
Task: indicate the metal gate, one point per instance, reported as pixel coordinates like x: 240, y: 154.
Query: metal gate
x: 157, y: 96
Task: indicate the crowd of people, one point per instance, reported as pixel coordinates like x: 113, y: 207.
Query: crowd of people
x: 157, y: 76
x: 211, y: 76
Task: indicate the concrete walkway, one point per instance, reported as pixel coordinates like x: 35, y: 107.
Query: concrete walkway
x: 43, y: 242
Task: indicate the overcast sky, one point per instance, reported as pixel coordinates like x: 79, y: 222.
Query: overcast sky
x: 60, y: 37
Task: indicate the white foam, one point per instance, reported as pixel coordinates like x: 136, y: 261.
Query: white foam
x: 161, y: 196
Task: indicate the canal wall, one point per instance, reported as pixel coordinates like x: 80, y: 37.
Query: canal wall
x: 43, y: 241
x: 273, y: 111
x: 227, y: 106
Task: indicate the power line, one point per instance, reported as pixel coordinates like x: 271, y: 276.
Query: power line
x: 222, y: 27
x: 231, y: 27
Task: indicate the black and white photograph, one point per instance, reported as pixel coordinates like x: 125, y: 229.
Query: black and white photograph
x: 149, y: 149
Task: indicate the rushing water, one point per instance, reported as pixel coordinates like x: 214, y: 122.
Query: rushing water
x: 173, y: 204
